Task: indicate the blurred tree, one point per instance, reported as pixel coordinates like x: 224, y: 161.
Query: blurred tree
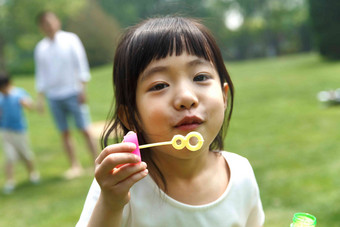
x: 97, y: 31
x: 3, y: 28
x: 133, y: 11
x: 269, y: 28
x: 325, y: 17
x: 128, y: 12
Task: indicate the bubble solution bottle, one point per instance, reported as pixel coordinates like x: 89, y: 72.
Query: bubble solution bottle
x: 303, y: 220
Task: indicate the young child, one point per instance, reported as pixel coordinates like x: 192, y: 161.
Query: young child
x: 169, y: 78
x: 14, y: 135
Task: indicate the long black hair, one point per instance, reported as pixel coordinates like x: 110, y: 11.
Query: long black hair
x: 155, y: 39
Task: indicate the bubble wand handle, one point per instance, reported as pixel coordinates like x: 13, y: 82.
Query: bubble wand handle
x: 155, y: 144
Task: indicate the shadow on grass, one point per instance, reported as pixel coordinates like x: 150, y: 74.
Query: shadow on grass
x: 25, y: 187
x: 48, y: 185
x: 42, y: 183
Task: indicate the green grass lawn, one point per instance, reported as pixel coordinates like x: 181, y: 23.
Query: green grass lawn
x: 278, y: 124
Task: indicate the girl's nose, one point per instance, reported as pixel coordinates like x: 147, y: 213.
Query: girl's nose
x: 185, y: 99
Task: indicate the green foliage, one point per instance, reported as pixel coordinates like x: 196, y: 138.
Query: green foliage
x: 289, y: 138
x: 325, y: 17
x: 271, y: 27
x: 19, y: 32
x: 131, y: 12
x: 98, y: 32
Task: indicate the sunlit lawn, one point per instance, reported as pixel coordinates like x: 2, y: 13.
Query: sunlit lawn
x: 278, y: 124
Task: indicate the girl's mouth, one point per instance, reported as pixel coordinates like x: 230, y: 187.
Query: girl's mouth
x: 189, y: 123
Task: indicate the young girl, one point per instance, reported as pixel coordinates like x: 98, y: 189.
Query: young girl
x: 169, y: 78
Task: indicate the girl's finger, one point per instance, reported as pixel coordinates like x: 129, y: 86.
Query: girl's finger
x: 127, y: 183
x: 115, y: 159
x: 124, y: 172
x: 115, y: 148
x: 114, y: 179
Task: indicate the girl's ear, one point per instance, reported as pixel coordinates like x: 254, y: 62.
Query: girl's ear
x: 225, y: 94
x: 123, y: 116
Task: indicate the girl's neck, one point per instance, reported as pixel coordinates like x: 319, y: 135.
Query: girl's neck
x: 196, y: 181
x: 185, y: 169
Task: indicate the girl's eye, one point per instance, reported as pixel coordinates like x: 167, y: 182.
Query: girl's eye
x: 158, y: 87
x: 201, y: 77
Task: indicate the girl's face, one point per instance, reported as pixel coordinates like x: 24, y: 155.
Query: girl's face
x: 180, y: 94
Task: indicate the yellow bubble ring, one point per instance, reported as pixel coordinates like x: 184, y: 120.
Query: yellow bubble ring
x: 199, y: 143
x: 178, y: 142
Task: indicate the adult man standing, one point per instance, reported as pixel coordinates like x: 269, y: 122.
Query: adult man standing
x: 62, y: 72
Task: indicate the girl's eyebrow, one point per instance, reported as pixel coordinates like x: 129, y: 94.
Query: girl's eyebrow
x: 153, y: 70
x: 198, y: 61
x: 157, y: 69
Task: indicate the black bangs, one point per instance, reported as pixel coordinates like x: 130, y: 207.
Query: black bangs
x: 156, y: 39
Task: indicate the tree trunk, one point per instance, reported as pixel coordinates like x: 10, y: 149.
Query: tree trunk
x: 2, y: 54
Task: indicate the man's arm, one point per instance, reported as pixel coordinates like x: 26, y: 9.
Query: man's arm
x: 81, y: 60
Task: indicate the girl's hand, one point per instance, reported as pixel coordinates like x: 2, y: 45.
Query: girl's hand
x: 115, y: 183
